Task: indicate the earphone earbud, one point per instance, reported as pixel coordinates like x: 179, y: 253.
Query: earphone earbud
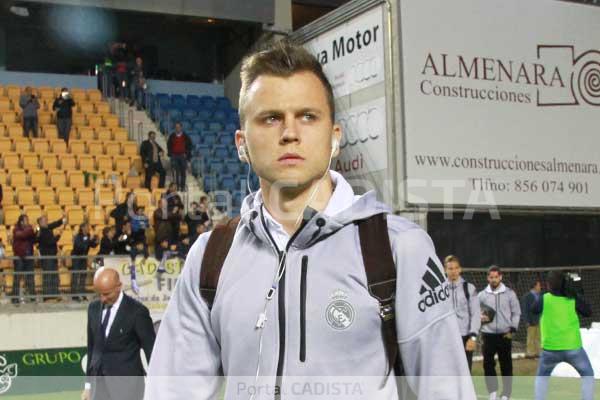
x: 242, y: 154
x: 334, y: 145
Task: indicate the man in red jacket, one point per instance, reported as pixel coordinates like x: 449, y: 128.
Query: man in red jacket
x: 179, y: 147
x: 23, y: 239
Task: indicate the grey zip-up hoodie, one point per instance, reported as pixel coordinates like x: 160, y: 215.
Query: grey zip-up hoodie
x: 504, y: 301
x: 468, y: 312
x: 322, y: 335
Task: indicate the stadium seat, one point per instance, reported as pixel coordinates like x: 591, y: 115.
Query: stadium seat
x: 216, y: 167
x: 49, y: 132
x: 18, y: 177
x: 5, y: 145
x: 38, y: 179
x: 86, y: 108
x: 86, y: 162
x: 44, y: 118
x: 104, y: 162
x: 14, y: 130
x: 220, y: 152
x: 77, y: 147
x: 95, y: 121
x: 46, y: 196
x: 57, y: 179
x: 79, y: 120
x: 104, y: 134
x: 156, y: 195
x: 25, y: 196
x: 76, y: 179
x: 8, y: 117
x: 75, y: 215
x: 54, y: 213
x: 219, y: 115
x: 233, y: 166
x: 113, y: 178
x: 66, y: 197
x: 67, y: 162
x: 133, y: 182
x: 227, y: 182
x: 66, y: 238
x: 33, y: 212
x: 210, y: 183
x: 11, y: 214
x: 47, y: 94
x: 94, y: 95
x: 122, y: 163
x: 130, y: 148
x: 102, y: 108
x: 22, y: 145
x: 8, y: 196
x: 96, y: 216
x: 49, y: 161
x: 111, y: 121
x: 39, y: 145
x: 5, y: 104
x: 85, y: 197
x: 86, y: 133
x: 11, y: 161
x: 112, y: 148
x: 58, y: 146
x: 29, y: 161
x: 105, y: 196
x: 120, y: 135
x: 143, y: 197
x: 95, y: 148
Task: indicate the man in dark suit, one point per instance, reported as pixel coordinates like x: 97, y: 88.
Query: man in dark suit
x: 151, y: 153
x: 118, y: 327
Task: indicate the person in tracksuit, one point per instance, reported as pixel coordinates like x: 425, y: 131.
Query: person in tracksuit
x: 466, y: 305
x: 497, y: 329
x: 292, y: 316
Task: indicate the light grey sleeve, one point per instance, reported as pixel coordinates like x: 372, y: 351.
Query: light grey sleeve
x: 515, y: 310
x: 475, y: 308
x: 186, y: 359
x: 428, y: 335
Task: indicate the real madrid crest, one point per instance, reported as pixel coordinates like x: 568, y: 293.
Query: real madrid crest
x: 339, y: 314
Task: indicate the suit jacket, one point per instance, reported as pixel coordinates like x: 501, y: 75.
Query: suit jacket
x: 146, y: 152
x: 132, y: 330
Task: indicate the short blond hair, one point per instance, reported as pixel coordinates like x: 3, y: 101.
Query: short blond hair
x: 451, y: 258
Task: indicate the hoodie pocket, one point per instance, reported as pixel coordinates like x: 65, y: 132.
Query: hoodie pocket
x: 303, y: 308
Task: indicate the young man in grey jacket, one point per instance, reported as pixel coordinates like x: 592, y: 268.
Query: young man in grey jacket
x: 500, y: 314
x: 30, y: 106
x: 292, y: 317
x: 466, y: 305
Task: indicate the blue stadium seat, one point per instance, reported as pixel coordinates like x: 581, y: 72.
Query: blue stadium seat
x: 178, y: 100
x: 204, y: 115
x: 225, y: 138
x: 216, y: 167
x: 174, y: 113
x: 196, y: 139
x: 200, y: 125
x: 231, y: 127
x: 227, y: 182
x: 186, y: 126
x: 209, y: 139
x: 233, y: 153
x: 188, y: 113
x: 237, y: 199
x: 197, y: 166
x: 223, y: 103
x: 215, y: 126
x: 220, y: 115
x: 210, y: 183
x: 203, y: 150
x: 234, y: 166
x: 193, y: 101
x: 208, y: 102
x: 233, y: 117
x: 220, y: 152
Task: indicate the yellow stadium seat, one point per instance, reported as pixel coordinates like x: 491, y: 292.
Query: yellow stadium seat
x: 66, y: 197
x: 46, y: 196
x: 102, y: 108
x: 22, y: 145
x: 136, y: 162
x: 86, y: 108
x: 113, y: 148
x: 11, y: 161
x: 57, y: 179
x: 53, y: 212
x: 130, y: 148
x: 44, y: 118
x: 58, y: 146
x: 14, y: 130
x: 77, y: 147
x: 120, y: 135
x: 86, y: 133
x: 8, y: 196
x: 39, y: 145
x: 95, y: 121
x: 86, y: 162
x: 79, y: 94
x: 75, y: 215
x: 47, y: 94
x: 5, y: 104
x: 8, y: 117
x: 25, y: 196
x: 5, y: 145
x: 104, y: 134
x: 49, y: 161
x: 18, y: 177
x: 30, y: 161
x: 33, y: 212
x: 94, y: 95
x: 122, y: 163
x: 111, y: 121
x: 113, y: 178
x: 11, y: 214
x: 79, y: 120
x: 66, y: 238
x: 13, y: 90
x: 76, y: 179
x: 133, y: 182
x: 68, y: 162
x: 105, y: 196
x: 85, y: 197
x: 38, y: 179
x: 95, y: 147
x: 3, y: 177
x: 96, y: 216
x: 49, y: 131
x: 143, y: 197
x: 104, y: 163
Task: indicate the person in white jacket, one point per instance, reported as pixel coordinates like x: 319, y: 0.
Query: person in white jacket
x: 292, y: 316
x: 500, y: 315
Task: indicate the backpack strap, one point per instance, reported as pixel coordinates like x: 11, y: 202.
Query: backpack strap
x: 215, y: 253
x: 381, y: 279
x: 466, y: 290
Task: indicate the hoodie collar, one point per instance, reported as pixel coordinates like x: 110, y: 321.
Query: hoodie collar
x: 342, y: 209
x: 501, y: 289
x: 458, y: 283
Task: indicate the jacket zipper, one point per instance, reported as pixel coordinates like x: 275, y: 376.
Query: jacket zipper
x: 303, y: 309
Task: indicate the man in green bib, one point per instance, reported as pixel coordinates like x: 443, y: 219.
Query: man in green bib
x: 561, y: 336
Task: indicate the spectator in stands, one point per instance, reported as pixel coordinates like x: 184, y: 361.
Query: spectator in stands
x: 47, y: 244
x: 194, y: 217
x: 164, y: 221
x: 179, y: 147
x: 183, y: 246
x: 193, y: 235
x: 1, y: 209
x: 138, y: 84
x: 124, y: 240
x: 23, y: 240
x: 561, y: 334
x: 466, y: 305
x: 499, y: 321
x: 82, y: 242
x: 107, y: 244
x: 122, y: 212
x: 139, y: 224
x: 151, y: 153
x: 63, y: 105
x: 532, y: 320
x: 30, y: 105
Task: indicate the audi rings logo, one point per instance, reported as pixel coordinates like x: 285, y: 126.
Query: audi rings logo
x: 585, y: 80
x: 360, y: 127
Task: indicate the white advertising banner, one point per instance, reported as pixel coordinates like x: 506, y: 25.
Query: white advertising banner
x: 502, y: 103
x: 352, y: 55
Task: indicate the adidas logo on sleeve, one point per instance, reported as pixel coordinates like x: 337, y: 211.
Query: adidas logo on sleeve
x: 434, y: 288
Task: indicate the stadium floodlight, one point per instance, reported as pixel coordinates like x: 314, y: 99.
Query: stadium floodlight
x: 20, y: 11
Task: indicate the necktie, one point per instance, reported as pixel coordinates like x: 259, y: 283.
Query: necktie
x: 105, y: 321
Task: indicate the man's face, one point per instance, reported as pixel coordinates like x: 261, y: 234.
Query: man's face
x: 177, y: 128
x: 453, y: 270
x: 138, y: 61
x: 537, y: 287
x: 494, y: 279
x: 288, y: 129
x: 151, y: 136
x: 108, y: 292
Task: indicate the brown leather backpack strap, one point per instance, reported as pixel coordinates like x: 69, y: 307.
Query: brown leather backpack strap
x: 381, y: 278
x: 215, y: 253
